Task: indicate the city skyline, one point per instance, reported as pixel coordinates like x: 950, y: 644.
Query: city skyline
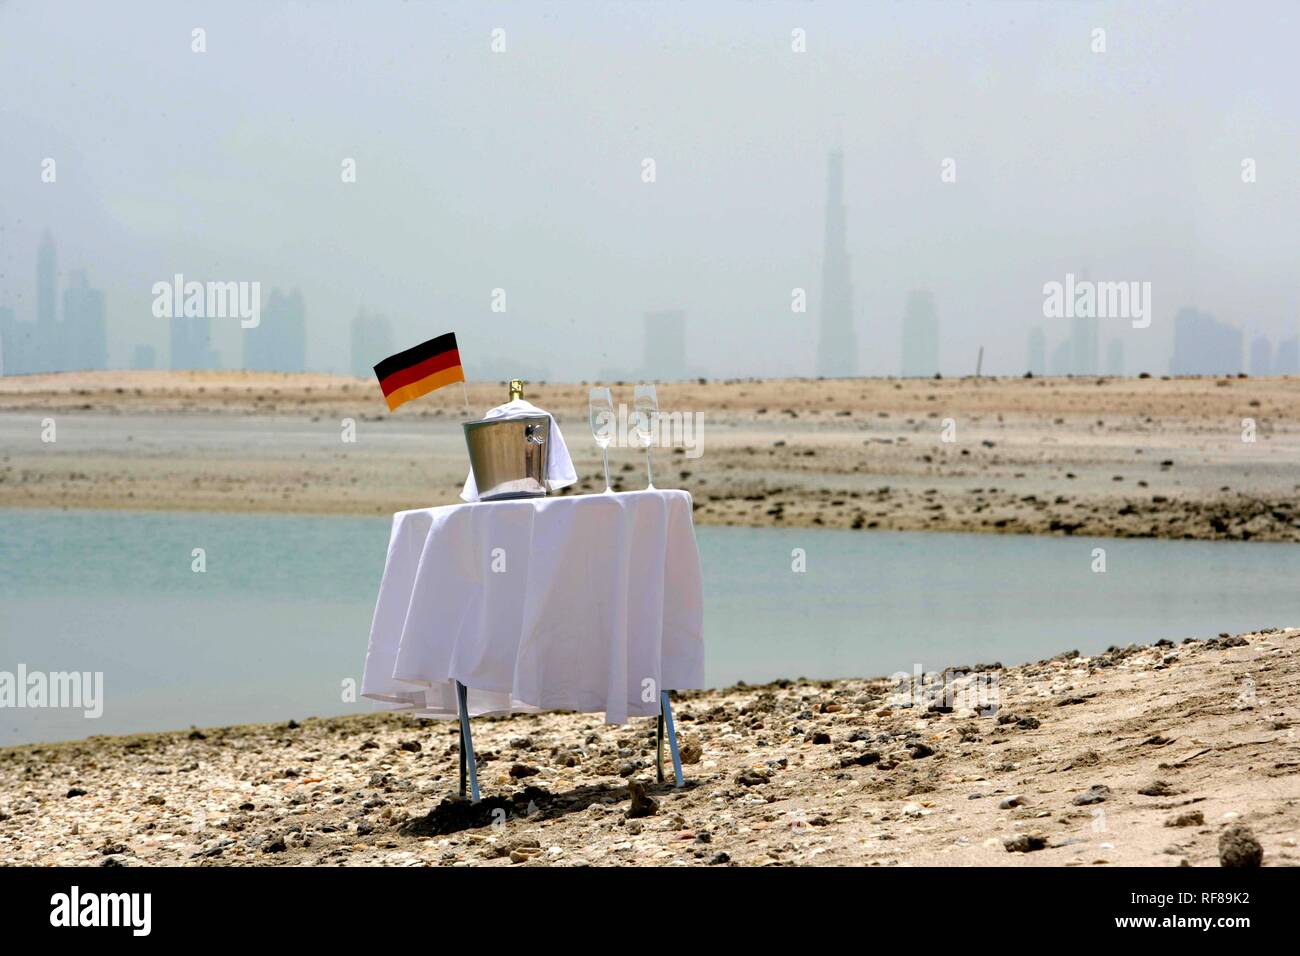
x: 549, y: 194
x: 76, y: 336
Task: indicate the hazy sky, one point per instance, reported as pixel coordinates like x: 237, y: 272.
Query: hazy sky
x: 522, y: 170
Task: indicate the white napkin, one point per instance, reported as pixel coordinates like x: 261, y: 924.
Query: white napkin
x: 559, y: 466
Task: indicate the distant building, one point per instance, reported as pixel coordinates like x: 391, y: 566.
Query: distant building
x: 372, y: 342
x: 837, y: 343
x: 85, y: 338
x: 920, y: 335
x: 191, y: 343
x: 1287, y: 360
x: 1204, y: 346
x: 665, y: 345
x: 1037, y: 351
x: 1261, y: 356
x: 279, y: 341
x: 143, y: 358
x: 1063, y: 359
x: 48, y: 354
x: 17, y: 344
x: 1115, y: 357
x: 1085, y: 345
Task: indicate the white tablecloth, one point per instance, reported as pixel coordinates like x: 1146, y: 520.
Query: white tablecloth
x: 584, y: 603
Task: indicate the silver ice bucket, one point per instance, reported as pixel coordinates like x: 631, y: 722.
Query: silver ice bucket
x: 508, y: 456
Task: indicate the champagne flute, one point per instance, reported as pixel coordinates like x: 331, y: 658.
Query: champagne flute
x: 601, y: 405
x: 646, y: 416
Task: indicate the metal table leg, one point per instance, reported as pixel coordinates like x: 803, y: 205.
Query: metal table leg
x: 666, y: 717
x: 659, y: 744
x: 466, y: 744
x: 462, y: 753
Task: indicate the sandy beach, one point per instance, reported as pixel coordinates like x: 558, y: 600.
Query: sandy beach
x: 1166, y: 458
x: 1141, y: 756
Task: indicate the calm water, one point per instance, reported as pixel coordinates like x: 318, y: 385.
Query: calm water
x: 281, y: 616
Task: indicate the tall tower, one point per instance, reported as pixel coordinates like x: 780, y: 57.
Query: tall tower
x: 49, y: 343
x: 85, y: 340
x: 837, y: 344
x: 920, y: 335
x: 1085, y: 341
x: 1037, y: 351
x: 665, y: 345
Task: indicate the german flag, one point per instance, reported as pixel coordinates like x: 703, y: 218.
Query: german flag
x: 420, y: 370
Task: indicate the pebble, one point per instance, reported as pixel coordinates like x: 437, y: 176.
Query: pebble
x: 1238, y: 848
x: 864, y: 759
x: 642, y: 805
x: 1097, y: 793
x: 1024, y: 843
x: 1157, y: 788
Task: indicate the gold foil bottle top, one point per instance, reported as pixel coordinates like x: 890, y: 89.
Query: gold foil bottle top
x: 516, y: 389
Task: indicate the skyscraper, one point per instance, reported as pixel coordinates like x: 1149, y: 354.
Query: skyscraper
x: 279, y: 342
x: 1287, y: 360
x: 1204, y: 346
x: 665, y: 345
x: 372, y: 341
x: 1037, y: 351
x: 1261, y: 356
x: 191, y: 343
x: 837, y: 344
x: 48, y: 355
x: 143, y: 357
x: 85, y: 339
x: 1085, y: 342
x: 1084, y: 346
x: 1063, y: 358
x: 17, y: 344
x: 920, y: 335
x: 1114, y: 357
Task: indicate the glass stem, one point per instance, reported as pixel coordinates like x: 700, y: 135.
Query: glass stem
x: 605, y: 454
x: 649, y: 470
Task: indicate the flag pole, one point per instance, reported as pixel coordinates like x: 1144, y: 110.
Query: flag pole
x: 465, y: 394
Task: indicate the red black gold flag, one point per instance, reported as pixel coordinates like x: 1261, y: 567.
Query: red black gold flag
x: 420, y: 370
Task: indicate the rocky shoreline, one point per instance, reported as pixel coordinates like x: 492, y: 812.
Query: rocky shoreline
x: 1164, y: 755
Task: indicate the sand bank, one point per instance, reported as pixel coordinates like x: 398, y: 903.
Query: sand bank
x: 1094, y: 456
